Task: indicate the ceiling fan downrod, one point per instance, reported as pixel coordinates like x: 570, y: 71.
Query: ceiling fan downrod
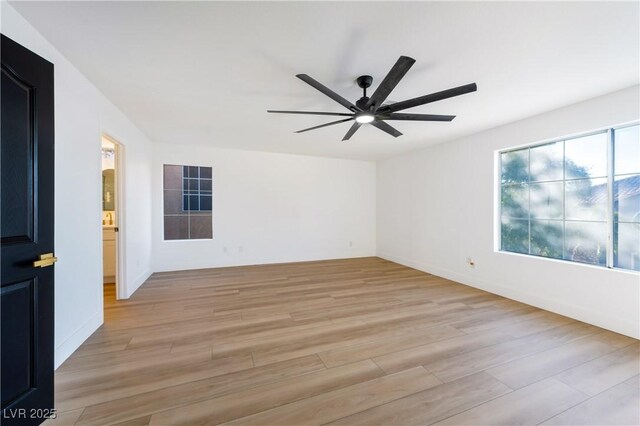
x: 364, y: 81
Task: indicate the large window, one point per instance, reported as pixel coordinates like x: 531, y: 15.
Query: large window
x: 188, y: 203
x: 576, y: 199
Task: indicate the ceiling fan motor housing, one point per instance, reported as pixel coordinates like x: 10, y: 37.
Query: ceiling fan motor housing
x: 362, y: 102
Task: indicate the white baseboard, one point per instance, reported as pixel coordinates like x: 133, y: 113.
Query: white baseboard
x: 226, y: 263
x: 616, y: 324
x: 73, y: 342
x: 131, y: 287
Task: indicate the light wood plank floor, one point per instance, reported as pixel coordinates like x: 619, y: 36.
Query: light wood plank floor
x: 349, y: 342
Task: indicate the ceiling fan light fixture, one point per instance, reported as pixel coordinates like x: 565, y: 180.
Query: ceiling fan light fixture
x: 364, y: 118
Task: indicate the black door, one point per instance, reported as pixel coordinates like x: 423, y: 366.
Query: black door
x: 26, y: 238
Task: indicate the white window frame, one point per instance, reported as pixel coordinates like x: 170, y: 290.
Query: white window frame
x: 610, y: 131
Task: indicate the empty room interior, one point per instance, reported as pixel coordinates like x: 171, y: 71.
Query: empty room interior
x: 310, y: 213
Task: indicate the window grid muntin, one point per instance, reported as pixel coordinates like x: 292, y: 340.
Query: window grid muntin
x: 199, y: 192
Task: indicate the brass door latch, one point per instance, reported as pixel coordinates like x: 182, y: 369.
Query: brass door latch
x: 45, y: 260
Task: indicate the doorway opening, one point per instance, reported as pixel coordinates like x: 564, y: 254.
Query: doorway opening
x: 111, y: 219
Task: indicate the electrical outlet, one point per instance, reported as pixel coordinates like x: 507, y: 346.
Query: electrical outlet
x: 350, y: 243
x: 224, y: 249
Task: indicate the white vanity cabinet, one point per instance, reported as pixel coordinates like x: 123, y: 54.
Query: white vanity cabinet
x: 109, y: 254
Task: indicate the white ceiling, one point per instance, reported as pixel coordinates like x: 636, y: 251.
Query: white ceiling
x: 206, y: 72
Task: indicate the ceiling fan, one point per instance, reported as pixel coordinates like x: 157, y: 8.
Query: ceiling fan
x: 372, y: 110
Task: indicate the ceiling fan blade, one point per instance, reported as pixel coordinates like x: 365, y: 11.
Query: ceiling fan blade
x: 351, y: 131
x: 325, y: 125
x: 344, y: 114
x: 330, y: 93
x: 394, y: 76
x: 416, y: 117
x: 433, y: 97
x: 386, y: 128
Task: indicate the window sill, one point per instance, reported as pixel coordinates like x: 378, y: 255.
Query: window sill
x: 568, y: 262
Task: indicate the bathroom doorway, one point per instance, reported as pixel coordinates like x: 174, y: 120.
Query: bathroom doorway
x: 111, y: 219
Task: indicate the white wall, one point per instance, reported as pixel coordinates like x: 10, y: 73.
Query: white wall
x: 82, y: 113
x: 276, y: 207
x: 435, y: 208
